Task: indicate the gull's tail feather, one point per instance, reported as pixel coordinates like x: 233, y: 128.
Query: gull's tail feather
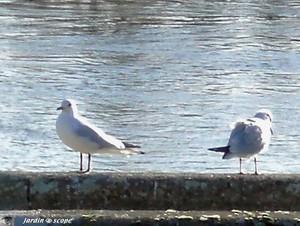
x: 224, y: 149
x: 130, y: 149
x: 128, y: 145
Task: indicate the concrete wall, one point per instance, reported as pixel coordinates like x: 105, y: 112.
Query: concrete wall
x: 149, y: 218
x: 148, y: 191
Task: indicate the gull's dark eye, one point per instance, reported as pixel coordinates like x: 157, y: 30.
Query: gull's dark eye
x: 69, y: 104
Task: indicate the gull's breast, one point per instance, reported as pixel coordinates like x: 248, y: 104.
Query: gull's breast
x: 65, y: 128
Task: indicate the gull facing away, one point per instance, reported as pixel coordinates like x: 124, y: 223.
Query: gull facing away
x: 248, y: 137
x: 77, y: 133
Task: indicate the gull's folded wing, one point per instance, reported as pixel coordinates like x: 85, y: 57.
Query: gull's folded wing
x: 98, y: 136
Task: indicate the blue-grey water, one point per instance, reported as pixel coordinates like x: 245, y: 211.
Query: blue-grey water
x: 168, y: 75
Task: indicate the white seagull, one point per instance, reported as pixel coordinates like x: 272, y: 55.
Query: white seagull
x: 248, y: 137
x: 77, y: 133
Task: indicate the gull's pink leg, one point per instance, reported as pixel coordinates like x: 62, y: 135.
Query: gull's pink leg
x: 256, y: 173
x: 80, y: 162
x: 241, y: 166
x: 89, y: 164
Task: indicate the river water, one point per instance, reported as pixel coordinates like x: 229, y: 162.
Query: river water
x: 168, y: 75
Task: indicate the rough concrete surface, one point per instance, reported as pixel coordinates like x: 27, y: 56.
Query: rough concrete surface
x: 148, y: 218
x: 148, y: 191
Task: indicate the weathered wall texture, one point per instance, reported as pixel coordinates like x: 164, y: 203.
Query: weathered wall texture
x: 151, y: 218
x: 148, y: 191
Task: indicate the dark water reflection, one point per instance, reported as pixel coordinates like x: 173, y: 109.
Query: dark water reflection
x: 170, y: 75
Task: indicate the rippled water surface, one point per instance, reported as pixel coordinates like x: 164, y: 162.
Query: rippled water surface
x: 168, y: 75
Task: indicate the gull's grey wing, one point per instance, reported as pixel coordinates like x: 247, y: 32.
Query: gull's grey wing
x: 246, y: 137
x: 97, y: 136
x: 237, y: 132
x: 91, y: 135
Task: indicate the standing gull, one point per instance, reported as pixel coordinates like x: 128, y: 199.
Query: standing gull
x: 77, y: 133
x: 248, y: 138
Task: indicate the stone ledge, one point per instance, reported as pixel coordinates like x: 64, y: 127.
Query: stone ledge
x: 148, y: 191
x: 148, y: 218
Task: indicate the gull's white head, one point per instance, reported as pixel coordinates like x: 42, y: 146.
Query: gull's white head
x: 68, y: 105
x: 264, y: 114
